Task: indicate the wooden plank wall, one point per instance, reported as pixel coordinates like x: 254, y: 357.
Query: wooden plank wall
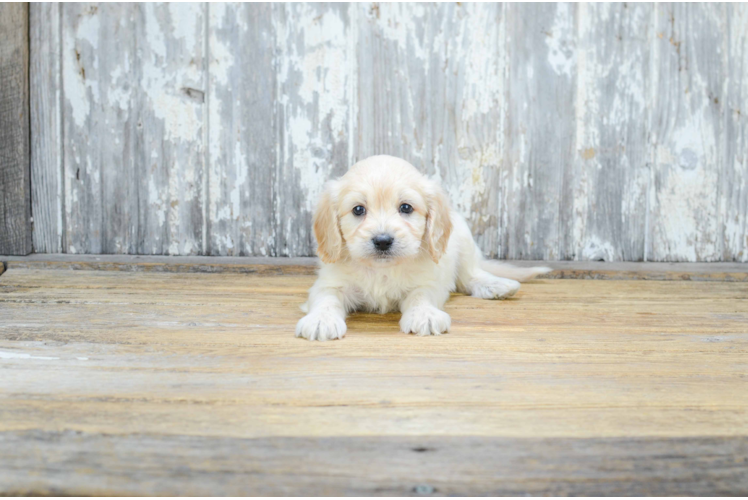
x: 15, y: 186
x: 612, y: 132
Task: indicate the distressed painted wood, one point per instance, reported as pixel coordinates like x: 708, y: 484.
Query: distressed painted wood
x: 688, y: 81
x: 564, y: 131
x: 315, y: 90
x: 575, y: 385
x: 46, y: 127
x: 541, y: 46
x: 98, y: 127
x: 172, y: 127
x: 431, y: 85
x: 734, y: 176
x: 242, y: 120
x: 15, y: 186
x: 134, y: 89
x: 610, y: 174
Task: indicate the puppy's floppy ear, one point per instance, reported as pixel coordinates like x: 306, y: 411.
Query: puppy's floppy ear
x: 326, y: 229
x: 438, y: 222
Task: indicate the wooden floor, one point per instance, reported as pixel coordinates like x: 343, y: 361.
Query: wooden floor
x: 190, y: 383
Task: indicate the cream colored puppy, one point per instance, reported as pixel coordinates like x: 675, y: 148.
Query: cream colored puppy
x: 388, y: 241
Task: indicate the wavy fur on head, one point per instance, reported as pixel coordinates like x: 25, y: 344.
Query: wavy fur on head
x: 388, y: 241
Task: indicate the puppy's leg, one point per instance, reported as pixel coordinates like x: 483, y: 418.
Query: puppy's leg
x: 473, y: 280
x: 484, y: 285
x: 422, y: 314
x: 326, y: 317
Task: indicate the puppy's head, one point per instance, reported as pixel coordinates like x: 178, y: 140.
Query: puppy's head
x: 380, y: 213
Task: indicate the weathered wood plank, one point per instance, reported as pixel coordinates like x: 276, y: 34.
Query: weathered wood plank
x: 734, y: 176
x: 686, y: 132
x: 170, y: 152
x: 15, y: 186
x: 99, y: 78
x: 398, y: 466
x: 315, y: 95
x: 46, y: 127
x: 155, y: 263
x: 201, y: 388
x: 134, y: 86
x: 658, y: 271
x: 243, y: 133
x: 565, y: 358
x: 431, y: 82
x: 611, y: 173
x: 541, y: 47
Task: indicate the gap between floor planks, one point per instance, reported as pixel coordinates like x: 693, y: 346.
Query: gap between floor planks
x: 667, y: 271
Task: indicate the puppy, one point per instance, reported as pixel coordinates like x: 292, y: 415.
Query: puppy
x: 388, y: 241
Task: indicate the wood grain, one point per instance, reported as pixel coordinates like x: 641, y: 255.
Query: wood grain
x: 15, y: 186
x: 306, y: 266
x: 573, y: 387
x: 657, y: 271
x: 134, y: 89
x: 400, y: 466
x: 432, y: 90
x: 46, y: 127
x: 242, y: 121
x: 734, y: 176
x: 560, y: 131
x: 313, y: 111
x: 171, y: 129
x: 541, y: 96
x: 610, y: 174
x: 99, y: 125
x: 688, y: 81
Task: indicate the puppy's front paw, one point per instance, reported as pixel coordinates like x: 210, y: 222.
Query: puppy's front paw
x: 493, y: 288
x: 321, y: 325
x: 425, y: 320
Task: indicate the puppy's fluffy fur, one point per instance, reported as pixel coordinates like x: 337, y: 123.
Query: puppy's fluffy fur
x: 407, y: 251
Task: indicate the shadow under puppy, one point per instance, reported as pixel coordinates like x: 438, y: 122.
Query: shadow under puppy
x: 388, y: 241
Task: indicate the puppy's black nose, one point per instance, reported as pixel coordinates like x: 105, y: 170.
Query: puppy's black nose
x: 383, y: 242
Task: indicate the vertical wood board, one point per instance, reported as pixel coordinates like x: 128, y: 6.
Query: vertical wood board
x: 686, y: 132
x: 242, y: 123
x: 15, y: 186
x: 610, y: 173
x: 46, y: 127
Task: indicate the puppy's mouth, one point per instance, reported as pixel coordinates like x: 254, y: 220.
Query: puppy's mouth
x: 383, y: 256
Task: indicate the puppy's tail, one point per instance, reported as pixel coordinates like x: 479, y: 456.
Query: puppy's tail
x: 504, y: 270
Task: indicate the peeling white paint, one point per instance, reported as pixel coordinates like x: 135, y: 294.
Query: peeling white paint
x: 484, y: 84
x: 166, y: 74
x: 314, y: 91
x: 80, y: 91
x: 596, y: 249
x: 560, y: 40
x: 242, y: 175
x: 221, y: 54
x: 400, y: 23
x: 446, y: 109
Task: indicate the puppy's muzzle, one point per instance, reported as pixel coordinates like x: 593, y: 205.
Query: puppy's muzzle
x: 382, y: 242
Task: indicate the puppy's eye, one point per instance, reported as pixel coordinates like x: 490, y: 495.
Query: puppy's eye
x: 358, y: 210
x: 406, y: 209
